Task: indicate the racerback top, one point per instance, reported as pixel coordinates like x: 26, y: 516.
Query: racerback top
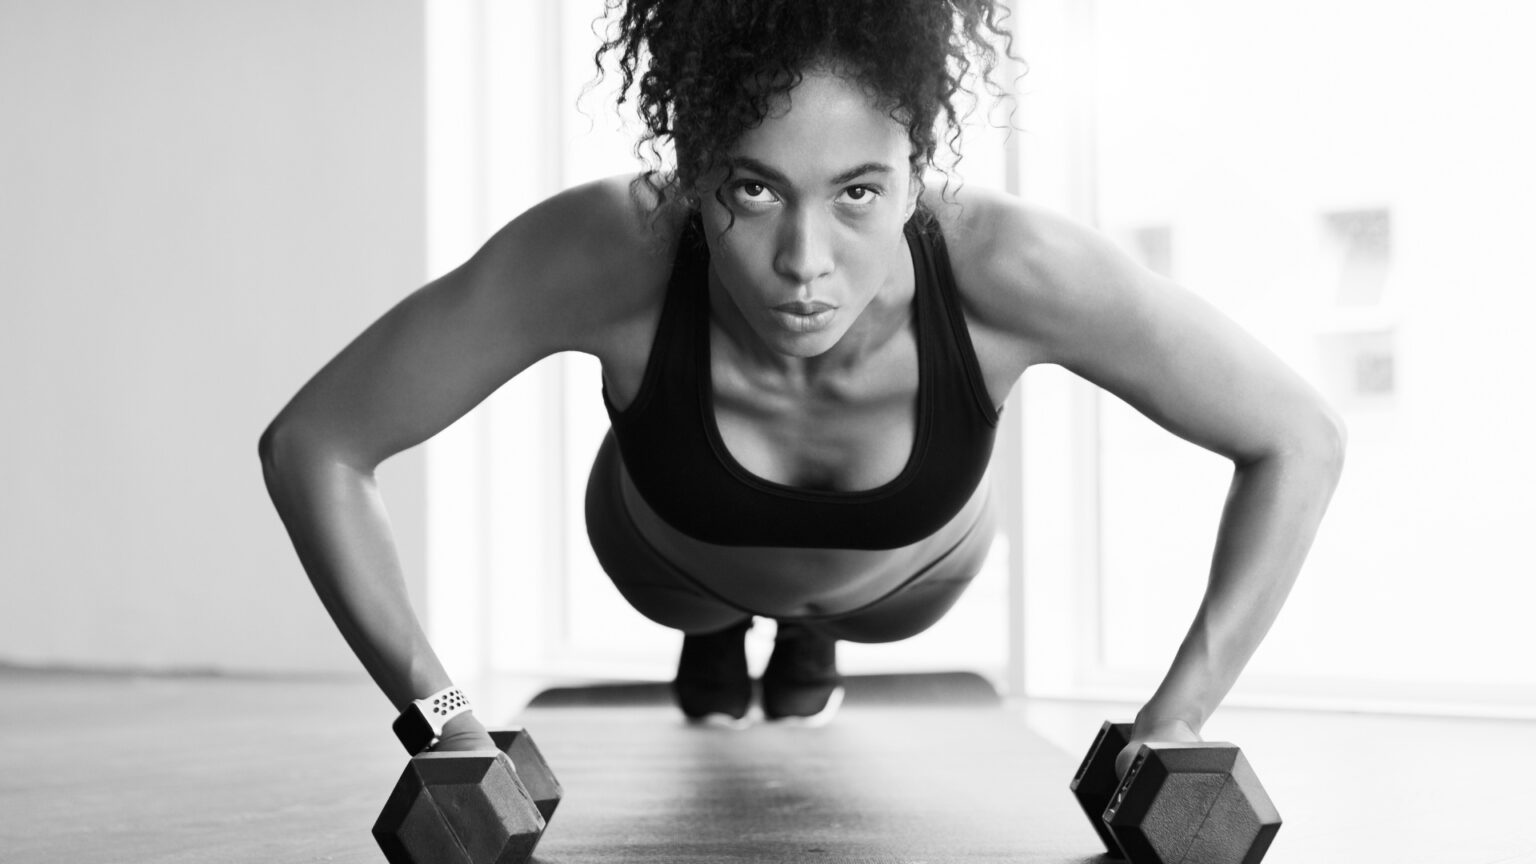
x: 673, y: 451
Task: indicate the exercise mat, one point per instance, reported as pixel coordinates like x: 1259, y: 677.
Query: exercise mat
x: 947, y: 689
x: 913, y: 770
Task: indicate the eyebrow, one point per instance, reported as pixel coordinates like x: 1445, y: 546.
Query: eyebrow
x: 777, y: 176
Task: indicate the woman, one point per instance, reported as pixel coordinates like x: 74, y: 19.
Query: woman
x: 803, y: 350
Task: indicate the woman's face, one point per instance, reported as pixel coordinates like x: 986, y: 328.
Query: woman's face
x: 821, y: 190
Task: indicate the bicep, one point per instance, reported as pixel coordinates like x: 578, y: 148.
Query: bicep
x: 446, y: 347
x: 1170, y: 354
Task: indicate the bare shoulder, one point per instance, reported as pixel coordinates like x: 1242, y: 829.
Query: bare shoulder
x: 602, y: 253
x: 1040, y: 288
x: 1023, y: 272
x: 581, y: 271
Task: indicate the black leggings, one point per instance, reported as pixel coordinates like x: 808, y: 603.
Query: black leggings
x: 662, y: 592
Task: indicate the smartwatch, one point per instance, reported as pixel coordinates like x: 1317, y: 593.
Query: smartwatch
x: 421, y: 723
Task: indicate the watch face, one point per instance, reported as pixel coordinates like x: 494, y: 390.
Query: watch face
x: 413, y: 729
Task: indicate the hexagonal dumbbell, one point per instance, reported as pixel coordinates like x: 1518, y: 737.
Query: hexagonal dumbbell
x: 1191, y: 803
x: 470, y: 807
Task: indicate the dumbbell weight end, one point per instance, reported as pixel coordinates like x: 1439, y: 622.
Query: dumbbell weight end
x: 470, y: 807
x: 1095, y: 782
x: 1194, y: 803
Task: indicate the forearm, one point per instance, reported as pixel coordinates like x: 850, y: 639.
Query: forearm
x: 340, y: 529
x: 1267, y: 526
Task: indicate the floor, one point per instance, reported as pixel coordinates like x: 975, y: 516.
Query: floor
x: 114, y: 768
x: 1368, y: 788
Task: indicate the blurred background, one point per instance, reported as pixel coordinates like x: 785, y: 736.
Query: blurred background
x: 202, y: 202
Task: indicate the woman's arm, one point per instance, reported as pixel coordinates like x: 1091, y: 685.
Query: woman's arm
x: 1079, y: 302
x: 549, y: 281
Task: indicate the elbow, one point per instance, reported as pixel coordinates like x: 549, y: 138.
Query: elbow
x: 1319, y: 444
x: 287, y: 447
x: 274, y: 442
x: 1313, y: 441
x: 1332, y: 441
x: 281, y: 447
x: 265, y: 444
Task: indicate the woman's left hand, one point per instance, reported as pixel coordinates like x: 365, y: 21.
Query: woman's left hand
x: 1159, y: 731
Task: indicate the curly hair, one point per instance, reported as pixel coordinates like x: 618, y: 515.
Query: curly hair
x: 708, y: 70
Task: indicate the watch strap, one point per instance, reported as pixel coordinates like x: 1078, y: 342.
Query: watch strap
x: 421, y: 723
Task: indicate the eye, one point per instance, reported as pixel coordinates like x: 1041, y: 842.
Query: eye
x: 862, y: 195
x: 753, y: 192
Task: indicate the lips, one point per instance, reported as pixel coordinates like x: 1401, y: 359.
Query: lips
x: 803, y: 316
x: 801, y: 307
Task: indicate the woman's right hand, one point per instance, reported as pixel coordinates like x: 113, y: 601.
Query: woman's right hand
x: 546, y: 283
x: 464, y: 732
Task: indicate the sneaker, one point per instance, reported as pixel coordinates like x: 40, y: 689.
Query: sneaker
x: 713, y: 686
x: 801, y: 684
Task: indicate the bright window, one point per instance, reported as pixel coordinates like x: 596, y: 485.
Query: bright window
x: 1350, y: 180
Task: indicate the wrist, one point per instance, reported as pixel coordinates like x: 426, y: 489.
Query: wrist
x: 1153, y: 718
x: 466, y: 722
x: 427, y: 719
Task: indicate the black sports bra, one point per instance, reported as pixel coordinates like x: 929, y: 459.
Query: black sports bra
x: 674, y: 453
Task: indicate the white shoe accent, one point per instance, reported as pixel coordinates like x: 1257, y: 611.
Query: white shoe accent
x: 718, y: 720
x: 820, y: 718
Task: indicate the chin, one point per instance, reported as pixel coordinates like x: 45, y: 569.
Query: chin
x: 809, y: 345
x: 799, y: 345
x: 804, y: 349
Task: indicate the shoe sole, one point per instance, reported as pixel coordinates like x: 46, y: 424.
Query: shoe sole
x: 719, y: 720
x: 817, y: 720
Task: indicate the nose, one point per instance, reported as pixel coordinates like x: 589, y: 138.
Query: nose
x: 805, y: 249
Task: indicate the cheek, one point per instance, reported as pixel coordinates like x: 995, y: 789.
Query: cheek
x: 878, y: 255
x: 734, y: 255
x: 740, y: 250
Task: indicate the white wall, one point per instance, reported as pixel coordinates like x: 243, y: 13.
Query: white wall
x: 200, y: 203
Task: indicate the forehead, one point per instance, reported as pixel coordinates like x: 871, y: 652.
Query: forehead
x: 826, y: 123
